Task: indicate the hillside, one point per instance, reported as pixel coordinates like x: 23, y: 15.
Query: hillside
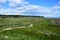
x: 28, y: 28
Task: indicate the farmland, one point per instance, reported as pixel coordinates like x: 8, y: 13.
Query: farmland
x: 28, y: 28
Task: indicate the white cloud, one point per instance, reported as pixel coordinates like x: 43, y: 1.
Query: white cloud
x: 14, y: 3
x: 34, y: 8
x: 59, y: 2
x: 25, y: 9
x: 31, y: 10
x: 49, y: 15
x: 2, y: 1
x: 56, y: 9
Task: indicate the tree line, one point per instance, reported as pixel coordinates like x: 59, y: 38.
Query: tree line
x: 17, y: 16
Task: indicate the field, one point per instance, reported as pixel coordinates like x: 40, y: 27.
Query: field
x: 57, y: 21
x: 28, y: 28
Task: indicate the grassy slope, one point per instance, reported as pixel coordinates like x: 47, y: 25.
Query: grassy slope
x: 41, y: 30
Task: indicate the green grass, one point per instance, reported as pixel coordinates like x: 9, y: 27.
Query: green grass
x: 43, y: 29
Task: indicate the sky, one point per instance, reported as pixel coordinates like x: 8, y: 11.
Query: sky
x: 46, y: 8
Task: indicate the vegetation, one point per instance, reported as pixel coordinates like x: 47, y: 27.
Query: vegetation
x: 41, y: 29
x: 17, y: 16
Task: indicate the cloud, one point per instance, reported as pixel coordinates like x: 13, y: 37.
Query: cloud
x: 22, y: 7
x: 32, y: 10
x: 56, y: 9
x: 2, y: 1
x: 29, y: 8
x: 59, y: 2
x: 13, y: 3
